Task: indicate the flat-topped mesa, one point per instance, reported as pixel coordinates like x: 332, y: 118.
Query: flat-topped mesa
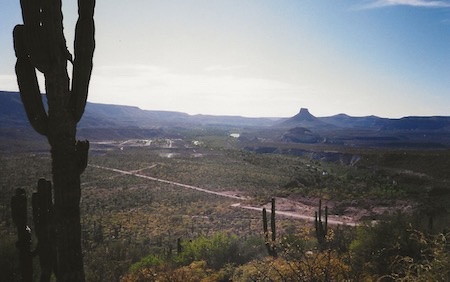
x: 303, y: 119
x: 304, y: 111
x: 304, y: 115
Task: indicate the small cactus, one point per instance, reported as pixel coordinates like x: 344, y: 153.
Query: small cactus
x: 179, y: 246
x: 321, y: 226
x: 42, y: 206
x: 19, y: 214
x: 270, y: 245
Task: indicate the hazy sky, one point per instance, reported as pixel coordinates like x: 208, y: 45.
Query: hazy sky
x: 389, y: 58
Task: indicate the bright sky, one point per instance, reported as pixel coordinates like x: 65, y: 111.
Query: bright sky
x: 389, y: 58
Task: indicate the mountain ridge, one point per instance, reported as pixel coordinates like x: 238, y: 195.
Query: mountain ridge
x: 97, y: 115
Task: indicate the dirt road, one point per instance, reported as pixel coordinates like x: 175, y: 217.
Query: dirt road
x: 221, y: 194
x: 295, y: 215
x: 135, y: 173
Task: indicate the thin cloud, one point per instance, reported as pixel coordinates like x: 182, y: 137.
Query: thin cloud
x: 411, y: 3
x: 157, y: 88
x: 8, y: 83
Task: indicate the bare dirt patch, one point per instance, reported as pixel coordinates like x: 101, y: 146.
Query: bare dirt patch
x: 369, y: 210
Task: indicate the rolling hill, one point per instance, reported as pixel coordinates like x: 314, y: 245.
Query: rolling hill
x: 103, y: 121
x: 12, y: 115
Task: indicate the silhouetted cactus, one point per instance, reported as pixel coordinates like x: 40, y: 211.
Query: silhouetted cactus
x: 321, y: 226
x: 179, y: 246
x: 42, y: 204
x: 270, y: 245
x: 19, y: 215
x: 265, y: 228
x: 272, y: 221
x: 28, y: 83
x: 40, y: 45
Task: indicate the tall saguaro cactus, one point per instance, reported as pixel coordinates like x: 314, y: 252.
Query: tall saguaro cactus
x: 40, y: 45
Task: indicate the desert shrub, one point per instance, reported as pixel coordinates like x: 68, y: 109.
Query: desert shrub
x: 216, y: 251
x: 146, y: 262
x: 108, y: 261
x: 251, y: 248
x: 433, y: 263
x: 314, y: 266
x: 379, y: 245
x: 195, y: 271
x: 201, y: 259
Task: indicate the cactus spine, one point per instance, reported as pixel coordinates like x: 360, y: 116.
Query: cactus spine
x: 40, y: 45
x: 270, y: 245
x: 321, y: 226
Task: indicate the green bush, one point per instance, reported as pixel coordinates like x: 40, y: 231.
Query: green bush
x: 217, y: 251
x: 378, y: 245
x: 147, y: 262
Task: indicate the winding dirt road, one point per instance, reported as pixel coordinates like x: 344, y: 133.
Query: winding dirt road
x: 221, y: 194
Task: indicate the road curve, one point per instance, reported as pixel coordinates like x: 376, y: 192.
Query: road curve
x: 294, y: 215
x: 237, y: 205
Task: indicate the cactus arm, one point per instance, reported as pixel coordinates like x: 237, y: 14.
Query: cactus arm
x: 321, y: 226
x: 273, y: 251
x: 265, y: 227
x: 19, y: 207
x: 272, y: 221
x: 320, y: 212
x: 28, y: 84
x: 270, y: 246
x: 82, y: 148
x: 36, y: 26
x: 19, y: 215
x: 84, y: 50
x: 266, y: 231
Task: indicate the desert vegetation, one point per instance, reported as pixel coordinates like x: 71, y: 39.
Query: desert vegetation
x: 171, y: 197
x: 138, y: 229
